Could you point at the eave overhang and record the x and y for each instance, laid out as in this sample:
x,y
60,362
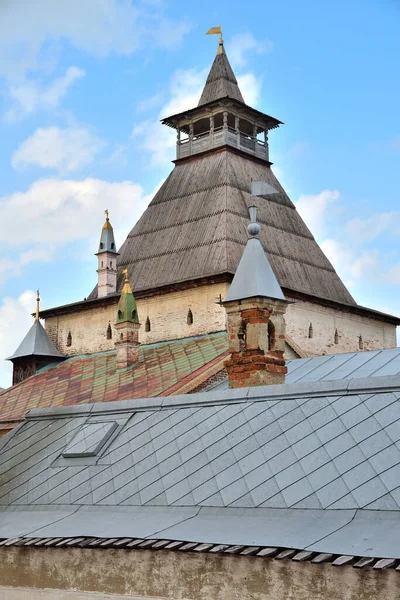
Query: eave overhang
x,y
178,120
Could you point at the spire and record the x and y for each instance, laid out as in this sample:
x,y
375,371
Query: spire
x,y
107,242
107,261
127,309
37,306
254,275
221,81
127,343
35,351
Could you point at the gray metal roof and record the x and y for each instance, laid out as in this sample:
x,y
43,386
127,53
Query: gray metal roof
x,y
333,367
36,343
254,275
310,465
107,241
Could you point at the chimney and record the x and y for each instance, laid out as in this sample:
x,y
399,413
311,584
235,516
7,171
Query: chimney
x,y
127,343
255,307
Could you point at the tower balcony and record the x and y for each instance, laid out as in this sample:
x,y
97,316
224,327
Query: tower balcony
x,y
221,136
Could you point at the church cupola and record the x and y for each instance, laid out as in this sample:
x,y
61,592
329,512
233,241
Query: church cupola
x,y
107,261
222,118
255,307
34,352
127,325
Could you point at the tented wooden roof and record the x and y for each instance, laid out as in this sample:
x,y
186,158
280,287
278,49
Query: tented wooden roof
x,y
196,226
221,81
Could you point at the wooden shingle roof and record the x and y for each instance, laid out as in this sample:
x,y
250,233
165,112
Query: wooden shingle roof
x,y
196,226
221,81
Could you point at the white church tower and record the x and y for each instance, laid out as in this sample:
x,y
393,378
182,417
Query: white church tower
x,y
107,261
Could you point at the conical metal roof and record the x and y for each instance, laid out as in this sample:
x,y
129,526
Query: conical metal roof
x,y
36,343
254,275
221,81
107,241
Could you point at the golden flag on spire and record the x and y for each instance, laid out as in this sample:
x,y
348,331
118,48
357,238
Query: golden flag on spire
x,y
217,30
214,30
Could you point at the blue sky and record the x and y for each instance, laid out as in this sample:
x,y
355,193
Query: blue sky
x,y
83,86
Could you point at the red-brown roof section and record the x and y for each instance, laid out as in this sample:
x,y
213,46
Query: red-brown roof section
x,y
163,369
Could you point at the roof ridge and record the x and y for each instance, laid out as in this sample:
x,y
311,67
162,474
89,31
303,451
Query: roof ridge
x,y
269,393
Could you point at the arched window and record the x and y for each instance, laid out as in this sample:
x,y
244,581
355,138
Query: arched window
x,y
119,315
109,332
271,335
147,326
121,336
111,264
190,317
310,331
134,314
101,245
112,245
69,339
336,338
360,343
102,264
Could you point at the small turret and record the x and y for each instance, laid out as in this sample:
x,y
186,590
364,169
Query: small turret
x,y
107,261
34,352
127,325
255,307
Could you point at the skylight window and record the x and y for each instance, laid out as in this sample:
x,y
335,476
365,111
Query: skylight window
x,y
89,440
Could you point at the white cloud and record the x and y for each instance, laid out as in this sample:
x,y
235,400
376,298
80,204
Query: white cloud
x,y
30,31
314,209
393,276
15,320
66,150
36,255
56,211
30,96
185,89
242,45
351,263
366,230
250,86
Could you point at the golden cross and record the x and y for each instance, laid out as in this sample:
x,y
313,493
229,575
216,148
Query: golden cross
x,y
106,213
125,272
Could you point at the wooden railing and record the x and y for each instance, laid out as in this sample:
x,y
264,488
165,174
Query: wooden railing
x,y
219,137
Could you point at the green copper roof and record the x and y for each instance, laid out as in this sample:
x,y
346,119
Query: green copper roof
x,y
127,309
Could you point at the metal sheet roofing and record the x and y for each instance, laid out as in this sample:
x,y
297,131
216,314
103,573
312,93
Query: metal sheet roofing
x,y
163,368
254,276
334,367
36,343
311,465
